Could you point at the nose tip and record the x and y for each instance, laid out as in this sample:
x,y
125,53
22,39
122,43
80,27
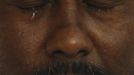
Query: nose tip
x,y
60,48
68,43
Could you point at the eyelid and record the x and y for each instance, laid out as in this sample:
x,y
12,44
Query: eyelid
x,y
104,5
30,4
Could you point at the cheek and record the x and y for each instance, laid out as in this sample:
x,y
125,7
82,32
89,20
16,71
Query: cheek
x,y
110,43
113,46
109,49
22,42
109,39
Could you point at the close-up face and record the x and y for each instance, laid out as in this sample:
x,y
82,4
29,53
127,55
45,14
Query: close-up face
x,y
66,37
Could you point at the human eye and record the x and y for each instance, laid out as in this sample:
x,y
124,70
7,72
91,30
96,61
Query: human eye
x,y
101,5
31,5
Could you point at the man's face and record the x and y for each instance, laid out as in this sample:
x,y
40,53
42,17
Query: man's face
x,y
66,37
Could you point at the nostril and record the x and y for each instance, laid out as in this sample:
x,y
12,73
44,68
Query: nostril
x,y
58,53
83,52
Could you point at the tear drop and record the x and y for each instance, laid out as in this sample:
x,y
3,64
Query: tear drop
x,y
34,13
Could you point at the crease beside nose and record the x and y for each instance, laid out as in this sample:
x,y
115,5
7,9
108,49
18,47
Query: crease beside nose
x,y
68,42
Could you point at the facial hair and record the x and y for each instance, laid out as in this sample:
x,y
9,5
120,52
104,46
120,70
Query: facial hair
x,y
71,68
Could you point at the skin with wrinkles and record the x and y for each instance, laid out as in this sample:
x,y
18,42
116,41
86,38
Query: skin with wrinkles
x,y
66,37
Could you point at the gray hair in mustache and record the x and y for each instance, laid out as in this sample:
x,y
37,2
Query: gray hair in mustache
x,y
72,68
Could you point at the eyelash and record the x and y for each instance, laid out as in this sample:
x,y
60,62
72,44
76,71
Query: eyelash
x,y
98,8
32,8
92,7
35,6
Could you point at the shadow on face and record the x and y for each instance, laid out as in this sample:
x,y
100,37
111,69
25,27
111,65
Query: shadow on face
x,y
66,37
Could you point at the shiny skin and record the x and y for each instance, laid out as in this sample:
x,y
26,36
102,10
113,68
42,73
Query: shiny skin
x,y
66,30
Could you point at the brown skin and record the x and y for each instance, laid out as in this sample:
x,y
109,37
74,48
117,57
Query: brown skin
x,y
106,36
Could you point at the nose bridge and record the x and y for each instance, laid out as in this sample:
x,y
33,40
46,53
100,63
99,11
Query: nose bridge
x,y
68,10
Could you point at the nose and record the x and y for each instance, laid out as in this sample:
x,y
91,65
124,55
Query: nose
x,y
68,42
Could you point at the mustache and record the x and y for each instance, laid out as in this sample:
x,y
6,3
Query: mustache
x,y
72,68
